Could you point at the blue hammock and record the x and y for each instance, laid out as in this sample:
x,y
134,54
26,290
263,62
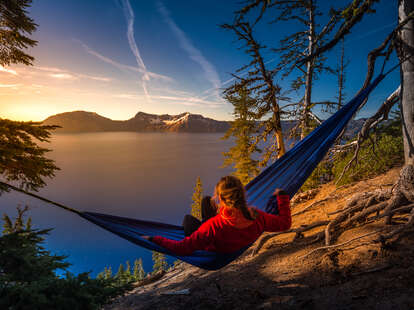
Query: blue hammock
x,y
289,172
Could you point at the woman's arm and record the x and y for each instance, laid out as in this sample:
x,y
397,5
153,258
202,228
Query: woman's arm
x,y
281,221
199,240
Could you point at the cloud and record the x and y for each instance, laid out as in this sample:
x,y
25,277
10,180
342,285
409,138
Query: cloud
x,y
122,66
95,78
190,100
180,100
127,96
14,86
3,69
195,54
129,15
49,69
62,76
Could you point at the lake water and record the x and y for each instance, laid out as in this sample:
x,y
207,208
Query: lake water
x,y
140,175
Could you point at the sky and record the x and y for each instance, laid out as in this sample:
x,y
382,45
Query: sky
x,y
118,57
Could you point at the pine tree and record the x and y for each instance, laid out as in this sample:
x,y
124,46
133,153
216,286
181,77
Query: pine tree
x,y
139,273
28,273
197,198
261,84
243,129
121,272
15,24
159,261
21,158
127,273
108,272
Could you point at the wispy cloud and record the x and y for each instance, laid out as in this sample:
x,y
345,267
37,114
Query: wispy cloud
x,y
122,66
195,54
62,76
3,69
14,86
189,101
178,100
95,78
49,69
129,15
127,96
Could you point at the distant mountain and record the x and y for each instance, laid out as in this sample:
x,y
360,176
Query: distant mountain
x,y
81,121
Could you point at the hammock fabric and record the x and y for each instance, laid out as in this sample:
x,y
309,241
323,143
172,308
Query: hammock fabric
x,y
289,172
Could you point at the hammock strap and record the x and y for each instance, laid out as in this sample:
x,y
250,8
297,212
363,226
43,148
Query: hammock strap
x,y
40,198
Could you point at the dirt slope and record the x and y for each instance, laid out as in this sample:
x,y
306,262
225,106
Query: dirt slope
x,y
355,276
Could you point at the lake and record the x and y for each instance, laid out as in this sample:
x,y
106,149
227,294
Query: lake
x,y
140,175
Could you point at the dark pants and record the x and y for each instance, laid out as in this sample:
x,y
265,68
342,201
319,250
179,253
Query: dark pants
x,y
208,210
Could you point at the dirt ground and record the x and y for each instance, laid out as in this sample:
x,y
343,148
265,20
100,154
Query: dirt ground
x,y
283,275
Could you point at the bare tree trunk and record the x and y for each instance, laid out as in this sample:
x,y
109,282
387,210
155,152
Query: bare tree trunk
x,y
407,79
281,150
309,73
341,76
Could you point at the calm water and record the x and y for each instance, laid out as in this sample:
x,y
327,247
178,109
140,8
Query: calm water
x,y
148,176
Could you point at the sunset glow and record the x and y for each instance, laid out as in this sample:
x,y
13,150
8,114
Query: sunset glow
x,y
136,56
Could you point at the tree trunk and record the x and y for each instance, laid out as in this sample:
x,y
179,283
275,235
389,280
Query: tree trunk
x,y
407,79
341,76
309,73
281,150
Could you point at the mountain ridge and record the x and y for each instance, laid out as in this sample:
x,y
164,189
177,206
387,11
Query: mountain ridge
x,y
84,121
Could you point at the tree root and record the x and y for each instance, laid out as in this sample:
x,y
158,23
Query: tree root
x,y
340,244
381,204
299,234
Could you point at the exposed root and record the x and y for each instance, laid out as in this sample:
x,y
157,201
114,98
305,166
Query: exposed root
x,y
381,204
299,233
316,203
340,244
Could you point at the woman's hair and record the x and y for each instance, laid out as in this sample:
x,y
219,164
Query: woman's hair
x,y
231,191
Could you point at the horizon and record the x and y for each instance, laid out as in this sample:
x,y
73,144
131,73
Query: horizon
x,y
160,57
185,112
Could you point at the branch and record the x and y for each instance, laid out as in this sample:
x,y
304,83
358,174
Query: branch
x,y
372,122
315,117
344,29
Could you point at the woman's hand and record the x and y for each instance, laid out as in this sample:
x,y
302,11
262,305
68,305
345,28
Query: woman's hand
x,y
279,191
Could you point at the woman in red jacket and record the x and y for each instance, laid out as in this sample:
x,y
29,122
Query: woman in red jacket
x,y
235,226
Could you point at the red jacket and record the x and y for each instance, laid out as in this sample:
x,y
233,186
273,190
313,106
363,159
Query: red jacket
x,y
230,231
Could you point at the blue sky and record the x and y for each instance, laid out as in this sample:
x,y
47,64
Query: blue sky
x,y
118,57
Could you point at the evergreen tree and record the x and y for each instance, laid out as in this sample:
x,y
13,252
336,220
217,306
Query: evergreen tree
x,y
139,273
28,276
21,158
243,129
121,272
197,198
15,26
159,261
108,272
261,84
